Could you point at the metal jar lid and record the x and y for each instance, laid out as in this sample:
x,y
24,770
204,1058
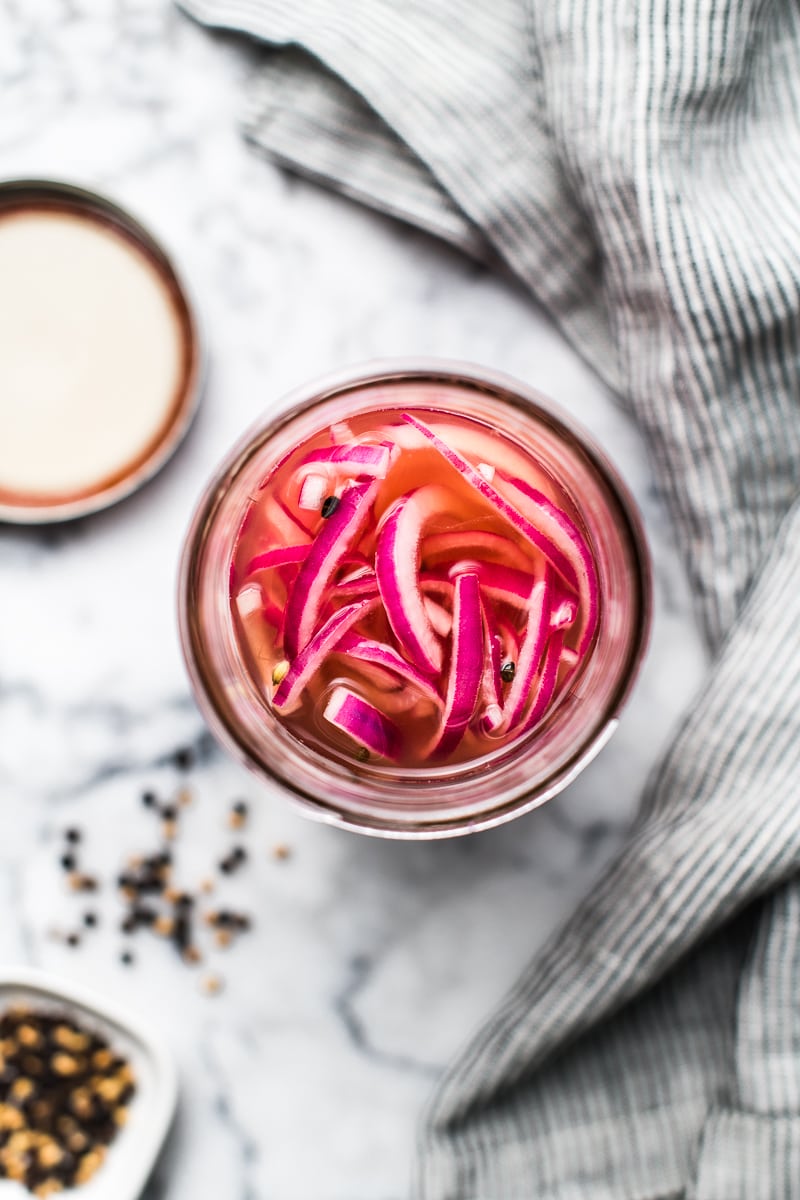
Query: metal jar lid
x,y
39,505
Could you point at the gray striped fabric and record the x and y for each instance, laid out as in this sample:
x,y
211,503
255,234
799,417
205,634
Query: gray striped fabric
x,y
637,164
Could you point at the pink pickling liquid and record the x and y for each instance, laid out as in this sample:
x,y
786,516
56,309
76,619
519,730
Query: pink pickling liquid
x,y
274,519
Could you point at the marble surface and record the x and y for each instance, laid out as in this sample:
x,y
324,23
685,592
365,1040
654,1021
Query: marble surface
x,y
370,962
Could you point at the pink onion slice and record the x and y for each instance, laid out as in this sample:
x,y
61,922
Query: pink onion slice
x,y
552,552
361,582
280,557
336,536
256,616
306,664
352,460
466,664
397,567
505,585
537,631
509,637
439,617
364,723
564,533
381,655
545,685
301,528
491,681
286,529
312,493
563,612
569,657
473,543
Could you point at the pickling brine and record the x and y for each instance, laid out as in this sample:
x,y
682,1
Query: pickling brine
x,y
412,587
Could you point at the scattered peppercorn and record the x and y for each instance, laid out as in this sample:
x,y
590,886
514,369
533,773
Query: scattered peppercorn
x,y
329,506
126,958
73,940
69,862
80,882
362,754
169,812
183,758
90,920
149,799
238,815
72,835
508,671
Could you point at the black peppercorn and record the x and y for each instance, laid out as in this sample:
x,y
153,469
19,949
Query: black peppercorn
x,y
508,671
329,506
183,758
68,862
72,835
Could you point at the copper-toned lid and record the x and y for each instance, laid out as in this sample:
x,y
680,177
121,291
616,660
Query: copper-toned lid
x,y
100,354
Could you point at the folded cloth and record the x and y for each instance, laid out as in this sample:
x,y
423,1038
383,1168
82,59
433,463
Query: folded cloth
x,y
637,164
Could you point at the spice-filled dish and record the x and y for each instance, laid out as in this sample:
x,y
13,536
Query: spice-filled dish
x,y
86,1095
418,601
65,1093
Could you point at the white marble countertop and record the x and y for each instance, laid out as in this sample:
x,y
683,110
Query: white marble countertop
x,y
370,962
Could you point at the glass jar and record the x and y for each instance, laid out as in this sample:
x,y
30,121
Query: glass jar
x,y
434,801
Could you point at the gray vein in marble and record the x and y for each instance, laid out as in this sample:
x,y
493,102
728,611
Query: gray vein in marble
x,y
359,971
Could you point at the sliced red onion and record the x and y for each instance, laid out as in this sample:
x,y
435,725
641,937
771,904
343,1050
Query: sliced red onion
x,y
473,543
545,685
262,622
466,665
552,552
563,612
537,631
280,557
249,600
364,583
438,616
352,460
364,723
509,637
306,664
397,568
341,432
312,493
386,658
563,532
569,657
286,529
335,538
294,520
491,681
505,585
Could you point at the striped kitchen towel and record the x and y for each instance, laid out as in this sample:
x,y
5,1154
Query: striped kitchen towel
x,y
637,164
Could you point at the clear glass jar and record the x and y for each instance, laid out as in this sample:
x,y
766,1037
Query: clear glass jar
x,y
437,801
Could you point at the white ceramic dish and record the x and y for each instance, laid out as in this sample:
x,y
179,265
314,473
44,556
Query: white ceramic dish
x,y
133,1154
73,198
